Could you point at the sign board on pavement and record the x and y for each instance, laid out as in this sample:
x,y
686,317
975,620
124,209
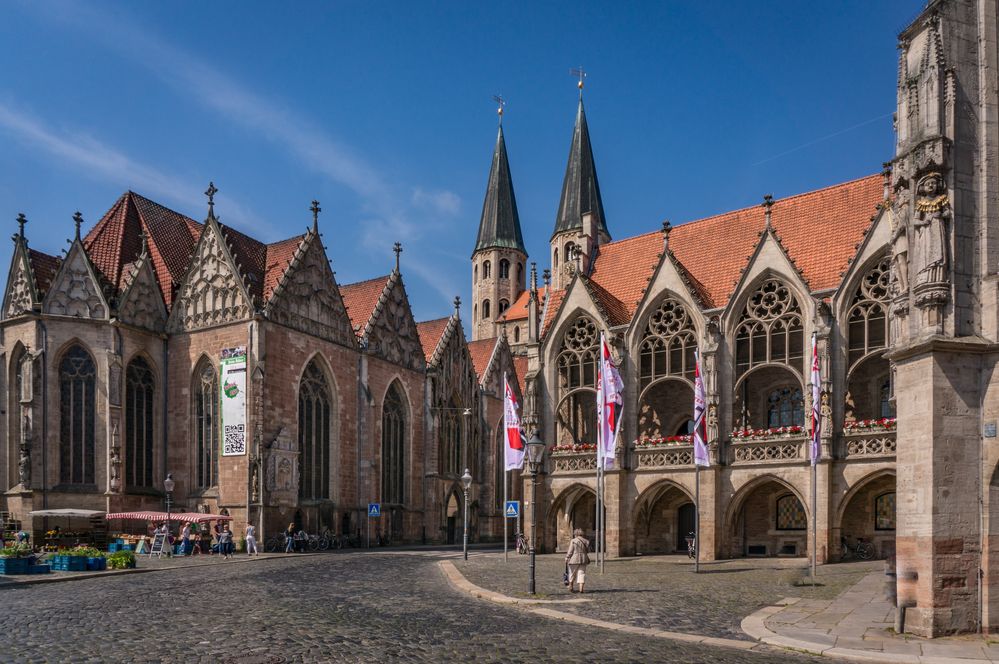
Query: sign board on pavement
x,y
159,541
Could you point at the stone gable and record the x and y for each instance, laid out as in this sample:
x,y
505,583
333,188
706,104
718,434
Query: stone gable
x,y
75,291
308,299
20,296
141,303
212,293
391,334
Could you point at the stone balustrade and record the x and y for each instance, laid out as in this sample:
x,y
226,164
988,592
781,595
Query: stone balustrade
x,y
570,462
664,456
869,444
770,450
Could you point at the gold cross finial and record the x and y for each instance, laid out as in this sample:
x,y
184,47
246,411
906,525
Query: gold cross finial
x,y
580,73
501,104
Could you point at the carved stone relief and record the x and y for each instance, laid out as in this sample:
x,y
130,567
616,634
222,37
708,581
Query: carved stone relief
x,y
74,291
19,291
212,293
142,303
393,334
308,299
282,471
929,232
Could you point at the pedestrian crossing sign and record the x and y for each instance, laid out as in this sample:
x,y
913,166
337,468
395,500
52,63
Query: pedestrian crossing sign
x,y
374,509
512,509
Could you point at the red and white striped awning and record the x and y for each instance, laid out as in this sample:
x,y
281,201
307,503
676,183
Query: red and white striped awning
x,y
185,517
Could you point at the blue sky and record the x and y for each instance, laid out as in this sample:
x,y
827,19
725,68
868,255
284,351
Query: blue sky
x,y
383,112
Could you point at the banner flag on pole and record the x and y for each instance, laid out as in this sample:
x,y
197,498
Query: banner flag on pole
x,y
700,424
514,447
609,400
816,402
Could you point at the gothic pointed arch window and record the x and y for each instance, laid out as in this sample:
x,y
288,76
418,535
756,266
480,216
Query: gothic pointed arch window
x,y
668,346
78,405
485,310
503,306
206,425
576,367
504,269
314,408
450,448
394,446
140,387
868,373
770,329
868,320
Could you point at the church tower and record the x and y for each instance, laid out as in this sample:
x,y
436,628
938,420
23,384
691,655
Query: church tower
x,y
499,259
580,226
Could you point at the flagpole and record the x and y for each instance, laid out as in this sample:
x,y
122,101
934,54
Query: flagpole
x,y
603,522
506,477
814,519
697,518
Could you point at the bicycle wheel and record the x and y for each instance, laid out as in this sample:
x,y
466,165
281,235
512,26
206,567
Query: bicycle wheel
x,y
324,543
865,550
313,543
273,545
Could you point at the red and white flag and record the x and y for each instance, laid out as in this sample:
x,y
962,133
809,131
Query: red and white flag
x,y
609,402
816,379
514,448
700,424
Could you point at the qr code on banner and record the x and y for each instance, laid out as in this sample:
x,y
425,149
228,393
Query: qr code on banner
x,y
235,439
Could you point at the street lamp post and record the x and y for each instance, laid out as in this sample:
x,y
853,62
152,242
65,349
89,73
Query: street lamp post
x,y
466,482
535,459
168,485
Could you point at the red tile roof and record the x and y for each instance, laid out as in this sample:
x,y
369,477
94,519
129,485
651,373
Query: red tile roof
x,y
819,230
481,352
518,310
361,299
44,267
430,332
114,241
549,315
520,366
279,255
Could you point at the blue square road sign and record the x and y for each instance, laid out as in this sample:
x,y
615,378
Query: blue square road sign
x,y
512,510
374,509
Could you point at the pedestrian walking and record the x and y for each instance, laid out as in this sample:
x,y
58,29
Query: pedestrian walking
x,y
251,540
185,539
577,558
289,538
225,542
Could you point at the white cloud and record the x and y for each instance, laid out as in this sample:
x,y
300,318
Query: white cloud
x,y
440,202
102,161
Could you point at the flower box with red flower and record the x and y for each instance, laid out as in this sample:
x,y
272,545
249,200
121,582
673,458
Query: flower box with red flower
x,y
773,433
863,426
657,442
575,448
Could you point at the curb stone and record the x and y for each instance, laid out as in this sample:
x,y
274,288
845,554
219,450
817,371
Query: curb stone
x,y
459,582
754,625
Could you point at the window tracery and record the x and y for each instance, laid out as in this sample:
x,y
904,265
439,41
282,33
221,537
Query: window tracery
x,y
669,344
206,425
576,366
140,387
868,322
78,403
314,406
393,447
785,408
770,329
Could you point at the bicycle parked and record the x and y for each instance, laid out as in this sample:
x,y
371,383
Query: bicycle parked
x,y
863,549
691,545
521,544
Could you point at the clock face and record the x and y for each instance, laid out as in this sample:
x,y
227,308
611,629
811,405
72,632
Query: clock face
x,y
569,269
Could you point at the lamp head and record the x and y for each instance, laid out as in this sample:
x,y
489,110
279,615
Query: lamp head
x,y
168,483
535,452
466,479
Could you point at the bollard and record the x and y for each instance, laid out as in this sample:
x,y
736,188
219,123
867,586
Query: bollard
x,y
909,576
891,581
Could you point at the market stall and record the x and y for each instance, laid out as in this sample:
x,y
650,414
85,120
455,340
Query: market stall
x,y
138,542
66,531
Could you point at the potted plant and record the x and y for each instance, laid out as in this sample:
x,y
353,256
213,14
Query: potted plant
x,y
14,559
121,560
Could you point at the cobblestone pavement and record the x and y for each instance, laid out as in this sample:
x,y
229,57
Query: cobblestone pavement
x,y
663,592
356,607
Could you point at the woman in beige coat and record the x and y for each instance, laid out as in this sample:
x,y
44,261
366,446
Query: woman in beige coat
x,y
577,557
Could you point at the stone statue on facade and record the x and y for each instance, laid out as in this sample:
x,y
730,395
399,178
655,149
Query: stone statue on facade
x,y
115,467
712,422
254,480
929,227
900,243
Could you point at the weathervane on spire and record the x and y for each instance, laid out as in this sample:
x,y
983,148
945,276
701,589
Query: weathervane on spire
x,y
580,73
210,193
501,105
